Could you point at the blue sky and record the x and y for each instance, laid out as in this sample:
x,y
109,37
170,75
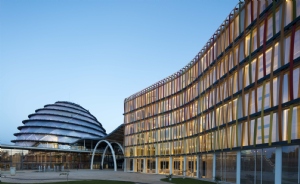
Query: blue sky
x,y
95,53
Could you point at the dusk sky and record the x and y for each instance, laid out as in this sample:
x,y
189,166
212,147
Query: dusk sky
x,y
95,53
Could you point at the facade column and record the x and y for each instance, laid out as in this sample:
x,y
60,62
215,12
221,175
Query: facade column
x,y
238,167
145,166
184,165
156,165
125,165
197,166
214,166
50,160
134,162
278,165
171,165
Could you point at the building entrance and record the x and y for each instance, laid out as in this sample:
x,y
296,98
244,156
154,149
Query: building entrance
x,y
140,165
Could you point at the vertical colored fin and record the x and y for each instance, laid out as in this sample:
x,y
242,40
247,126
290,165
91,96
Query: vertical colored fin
x,y
236,122
289,125
250,48
292,63
271,128
274,17
262,113
294,10
255,133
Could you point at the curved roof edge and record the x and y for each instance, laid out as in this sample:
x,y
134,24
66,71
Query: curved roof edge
x,y
77,106
71,103
66,106
63,110
67,122
206,46
51,127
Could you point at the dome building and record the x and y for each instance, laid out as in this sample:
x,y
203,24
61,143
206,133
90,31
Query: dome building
x,y
61,136
59,125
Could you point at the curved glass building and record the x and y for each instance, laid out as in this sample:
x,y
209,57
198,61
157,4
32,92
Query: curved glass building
x,y
58,125
233,112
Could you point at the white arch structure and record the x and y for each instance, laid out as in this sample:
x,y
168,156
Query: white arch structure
x,y
112,152
104,152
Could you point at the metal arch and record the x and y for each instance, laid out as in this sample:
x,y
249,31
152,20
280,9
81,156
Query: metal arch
x,y
104,152
112,151
119,146
103,155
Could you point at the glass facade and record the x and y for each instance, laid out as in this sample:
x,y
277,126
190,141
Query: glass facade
x,y
24,159
29,159
290,164
241,92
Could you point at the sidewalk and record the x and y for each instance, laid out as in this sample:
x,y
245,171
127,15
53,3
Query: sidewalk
x,y
30,176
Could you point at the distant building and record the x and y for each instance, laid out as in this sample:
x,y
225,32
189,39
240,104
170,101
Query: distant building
x,y
63,135
233,112
58,125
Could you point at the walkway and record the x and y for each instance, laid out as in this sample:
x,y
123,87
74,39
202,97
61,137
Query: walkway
x,y
29,176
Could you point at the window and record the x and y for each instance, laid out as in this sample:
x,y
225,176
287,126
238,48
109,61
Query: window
x,y
288,12
270,27
260,67
285,89
241,54
261,34
297,43
268,60
247,45
248,14
259,97
246,76
296,85
276,57
262,6
236,27
290,164
255,9
275,91
253,70
277,21
287,49
254,40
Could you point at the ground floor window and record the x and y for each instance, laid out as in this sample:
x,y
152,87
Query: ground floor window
x,y
191,166
254,166
151,165
206,166
163,165
290,164
178,163
226,166
129,164
258,166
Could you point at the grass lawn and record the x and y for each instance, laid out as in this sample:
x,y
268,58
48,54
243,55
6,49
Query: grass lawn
x,y
186,180
90,182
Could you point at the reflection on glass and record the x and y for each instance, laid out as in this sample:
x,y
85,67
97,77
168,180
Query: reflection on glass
x,y
290,171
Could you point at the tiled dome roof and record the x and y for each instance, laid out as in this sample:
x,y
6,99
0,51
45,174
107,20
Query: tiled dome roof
x,y
58,125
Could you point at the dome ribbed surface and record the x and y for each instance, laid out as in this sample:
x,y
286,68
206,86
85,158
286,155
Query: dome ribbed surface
x,y
58,125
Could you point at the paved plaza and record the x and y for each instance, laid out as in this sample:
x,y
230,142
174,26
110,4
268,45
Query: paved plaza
x,y
29,176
